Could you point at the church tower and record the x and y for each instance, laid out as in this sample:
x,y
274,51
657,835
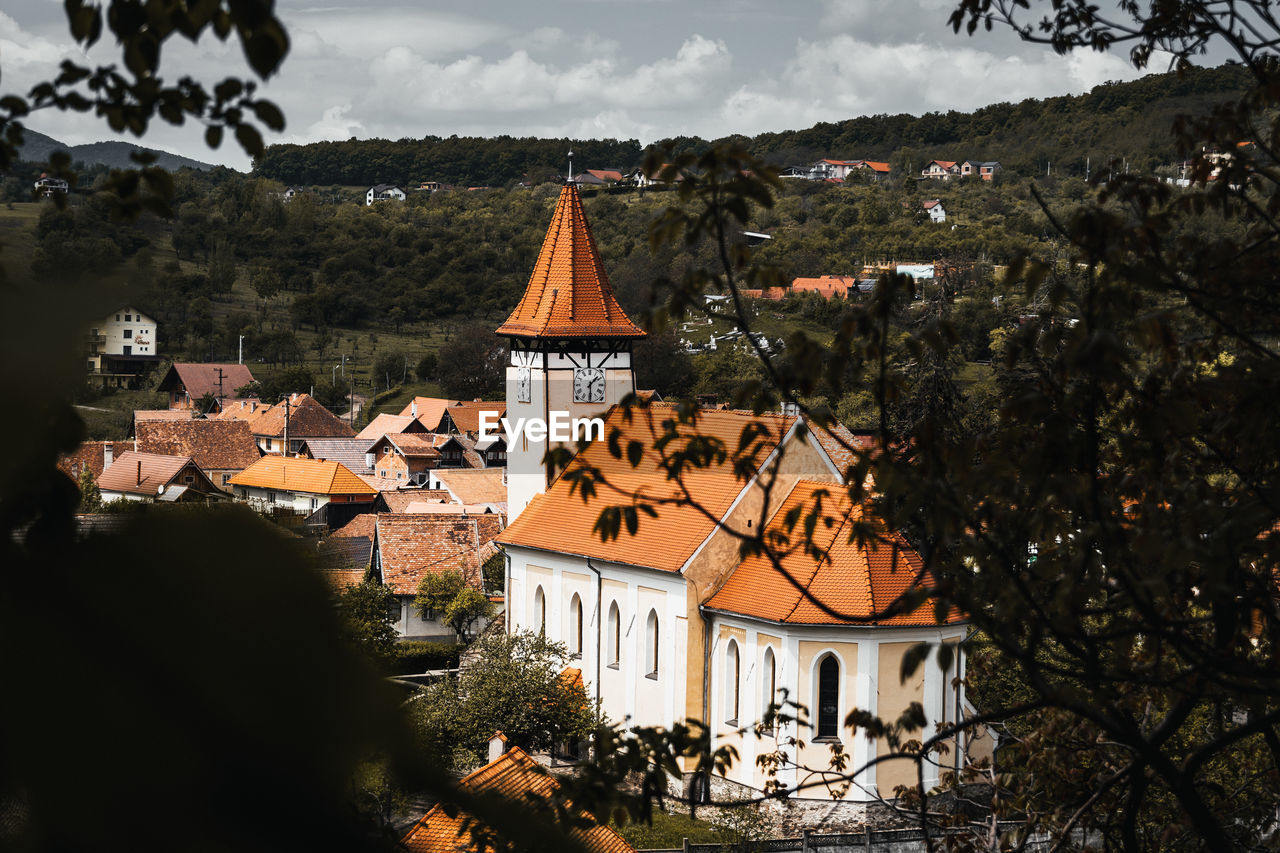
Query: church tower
x,y
570,346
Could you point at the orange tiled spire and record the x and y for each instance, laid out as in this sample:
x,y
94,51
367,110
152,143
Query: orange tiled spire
x,y
569,295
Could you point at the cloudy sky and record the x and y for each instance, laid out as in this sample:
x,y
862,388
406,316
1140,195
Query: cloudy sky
x,y
643,69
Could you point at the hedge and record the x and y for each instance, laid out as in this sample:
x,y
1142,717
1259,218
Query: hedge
x,y
414,656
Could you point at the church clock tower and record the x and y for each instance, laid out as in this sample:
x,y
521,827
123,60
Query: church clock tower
x,y
570,346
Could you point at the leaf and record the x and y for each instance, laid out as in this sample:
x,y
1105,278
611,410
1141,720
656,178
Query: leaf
x,y
269,114
635,452
911,660
213,135
946,656
250,140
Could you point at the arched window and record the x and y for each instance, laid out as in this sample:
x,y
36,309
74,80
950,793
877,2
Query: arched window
x,y
769,680
540,610
575,626
732,680
829,697
615,635
651,645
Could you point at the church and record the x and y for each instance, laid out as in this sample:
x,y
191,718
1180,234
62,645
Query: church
x,y
668,621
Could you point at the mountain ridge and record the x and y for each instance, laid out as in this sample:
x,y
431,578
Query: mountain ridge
x,y
37,147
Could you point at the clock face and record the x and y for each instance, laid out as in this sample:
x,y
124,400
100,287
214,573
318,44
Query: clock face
x,y
588,385
523,383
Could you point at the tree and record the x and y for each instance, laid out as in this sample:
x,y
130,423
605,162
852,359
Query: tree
x,y
427,367
477,359
447,596
367,612
90,494
513,684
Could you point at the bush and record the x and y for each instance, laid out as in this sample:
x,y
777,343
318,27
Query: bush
x,y
421,655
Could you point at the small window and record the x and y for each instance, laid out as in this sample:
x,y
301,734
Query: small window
x,y
575,626
226,478
829,697
189,479
769,680
117,318
128,318
652,639
540,610
732,676
615,635
128,333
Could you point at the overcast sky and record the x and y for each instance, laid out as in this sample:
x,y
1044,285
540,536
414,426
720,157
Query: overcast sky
x,y
643,69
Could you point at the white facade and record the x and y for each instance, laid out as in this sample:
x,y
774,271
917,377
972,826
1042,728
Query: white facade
x,y
564,595
125,331
383,192
788,659
541,383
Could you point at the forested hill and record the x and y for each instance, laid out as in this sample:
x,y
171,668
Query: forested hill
x,y
1127,121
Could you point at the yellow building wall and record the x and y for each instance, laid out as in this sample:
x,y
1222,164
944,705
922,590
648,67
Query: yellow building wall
x,y
894,697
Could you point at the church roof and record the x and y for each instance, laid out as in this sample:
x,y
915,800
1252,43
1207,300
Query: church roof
x,y
853,578
559,521
569,295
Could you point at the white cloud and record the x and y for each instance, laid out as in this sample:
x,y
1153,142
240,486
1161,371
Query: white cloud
x,y
844,77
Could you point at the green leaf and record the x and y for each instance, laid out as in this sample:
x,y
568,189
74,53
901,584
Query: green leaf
x,y
250,140
213,135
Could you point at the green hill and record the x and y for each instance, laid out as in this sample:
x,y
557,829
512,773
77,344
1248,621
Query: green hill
x,y
37,147
1120,121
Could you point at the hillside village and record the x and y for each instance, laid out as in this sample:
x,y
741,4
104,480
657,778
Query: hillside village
x,y
646,619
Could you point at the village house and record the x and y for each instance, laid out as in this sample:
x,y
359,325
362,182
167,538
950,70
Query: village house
x,y
464,418
408,546
383,192
385,423
515,776
941,169
984,169
933,207
282,428
300,485
639,612
122,348
473,487
345,555
155,477
92,456
188,384
220,448
405,456
47,187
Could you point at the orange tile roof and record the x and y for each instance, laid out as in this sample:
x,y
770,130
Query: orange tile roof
x,y
876,166
383,424
201,379
144,473
411,545
430,410
853,579
91,455
415,445
215,445
840,444
517,777
295,474
474,485
307,419
569,295
559,521
400,499
826,286
466,416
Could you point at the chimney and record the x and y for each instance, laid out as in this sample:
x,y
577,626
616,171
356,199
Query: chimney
x,y
139,472
108,454
413,408
253,405
497,746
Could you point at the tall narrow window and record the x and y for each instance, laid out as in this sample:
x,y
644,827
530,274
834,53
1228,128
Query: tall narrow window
x,y
575,626
615,635
732,676
540,610
769,679
829,697
651,645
